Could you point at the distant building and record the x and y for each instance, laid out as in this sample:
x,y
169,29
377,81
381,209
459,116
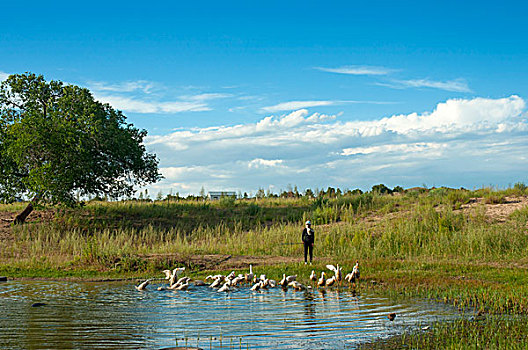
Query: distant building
x,y
215,195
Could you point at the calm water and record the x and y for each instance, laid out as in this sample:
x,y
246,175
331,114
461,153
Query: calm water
x,y
116,316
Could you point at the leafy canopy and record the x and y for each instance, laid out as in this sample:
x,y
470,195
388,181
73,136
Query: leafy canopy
x,y
57,141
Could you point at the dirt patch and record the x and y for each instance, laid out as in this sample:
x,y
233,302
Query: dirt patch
x,y
497,212
494,212
6,219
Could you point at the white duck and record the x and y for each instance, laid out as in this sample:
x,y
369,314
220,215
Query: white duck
x,y
143,286
183,286
215,277
296,285
351,277
238,280
216,283
322,280
331,281
337,271
249,276
313,276
224,288
256,286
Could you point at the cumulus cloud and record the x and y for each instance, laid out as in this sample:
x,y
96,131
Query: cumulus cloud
x,y
357,70
460,141
458,115
457,85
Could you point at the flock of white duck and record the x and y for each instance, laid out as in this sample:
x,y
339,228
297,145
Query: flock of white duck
x,y
232,281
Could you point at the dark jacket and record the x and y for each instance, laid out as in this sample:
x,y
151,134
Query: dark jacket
x,y
308,237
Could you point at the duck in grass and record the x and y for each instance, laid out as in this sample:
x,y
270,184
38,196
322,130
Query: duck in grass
x,y
313,276
322,280
287,279
337,272
354,275
249,276
331,281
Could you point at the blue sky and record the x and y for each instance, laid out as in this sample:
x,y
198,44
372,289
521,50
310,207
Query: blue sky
x,y
241,95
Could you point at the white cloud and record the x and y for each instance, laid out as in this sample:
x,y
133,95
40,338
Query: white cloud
x,y
205,96
3,76
458,115
136,105
459,142
142,96
357,70
391,148
144,86
292,105
457,85
259,163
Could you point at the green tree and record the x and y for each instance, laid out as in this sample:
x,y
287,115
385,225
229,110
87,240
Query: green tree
x,y
56,141
260,193
398,189
381,189
202,193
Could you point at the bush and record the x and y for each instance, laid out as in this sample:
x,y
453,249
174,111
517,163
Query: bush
x,y
457,197
226,202
520,187
495,198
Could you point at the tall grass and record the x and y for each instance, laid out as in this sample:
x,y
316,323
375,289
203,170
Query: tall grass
x,y
423,225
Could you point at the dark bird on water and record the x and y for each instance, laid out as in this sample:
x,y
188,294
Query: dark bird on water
x,y
38,304
391,316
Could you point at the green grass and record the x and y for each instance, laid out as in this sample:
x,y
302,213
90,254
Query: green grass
x,y
473,333
99,235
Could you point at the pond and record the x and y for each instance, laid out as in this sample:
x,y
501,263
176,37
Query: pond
x,y
113,315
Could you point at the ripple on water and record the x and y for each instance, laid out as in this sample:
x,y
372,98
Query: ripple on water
x,y
115,315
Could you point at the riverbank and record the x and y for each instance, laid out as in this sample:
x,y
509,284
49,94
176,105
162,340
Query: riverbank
x,y
491,299
464,248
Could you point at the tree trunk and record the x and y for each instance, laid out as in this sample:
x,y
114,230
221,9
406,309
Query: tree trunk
x,y
21,218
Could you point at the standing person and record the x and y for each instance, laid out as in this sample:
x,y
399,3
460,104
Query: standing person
x,y
308,238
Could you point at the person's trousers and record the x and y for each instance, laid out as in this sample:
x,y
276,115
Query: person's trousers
x,y
308,247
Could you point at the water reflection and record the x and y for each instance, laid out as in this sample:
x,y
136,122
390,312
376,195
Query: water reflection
x,y
115,315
